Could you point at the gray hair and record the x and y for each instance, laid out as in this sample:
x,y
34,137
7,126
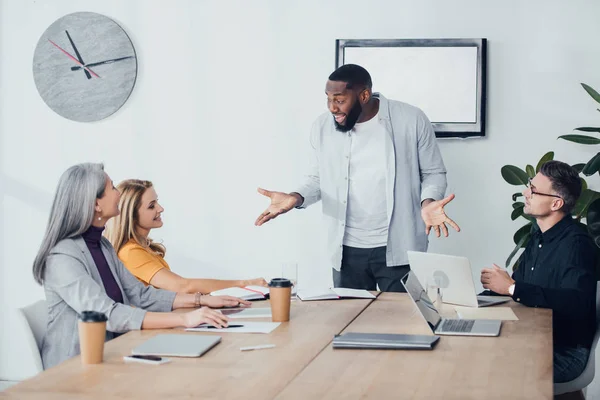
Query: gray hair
x,y
72,210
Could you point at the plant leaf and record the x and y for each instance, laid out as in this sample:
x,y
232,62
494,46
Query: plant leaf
x,y
581,139
516,213
545,158
578,167
524,230
515,195
522,243
592,166
530,171
528,218
593,221
518,204
588,129
587,197
514,175
584,184
591,92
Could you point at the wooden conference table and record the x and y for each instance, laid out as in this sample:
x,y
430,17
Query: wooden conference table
x,y
303,365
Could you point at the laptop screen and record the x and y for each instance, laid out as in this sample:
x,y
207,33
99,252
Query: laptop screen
x,y
419,296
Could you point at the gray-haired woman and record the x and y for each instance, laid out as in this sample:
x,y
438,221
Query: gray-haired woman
x,y
80,271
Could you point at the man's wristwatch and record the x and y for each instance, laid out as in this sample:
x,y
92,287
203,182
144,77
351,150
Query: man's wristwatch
x,y
511,289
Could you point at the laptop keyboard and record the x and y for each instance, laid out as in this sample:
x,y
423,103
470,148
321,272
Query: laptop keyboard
x,y
457,325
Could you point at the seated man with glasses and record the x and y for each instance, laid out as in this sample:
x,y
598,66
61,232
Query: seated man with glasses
x,y
557,268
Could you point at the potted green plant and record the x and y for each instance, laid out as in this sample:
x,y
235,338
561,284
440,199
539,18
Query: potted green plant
x,y
587,210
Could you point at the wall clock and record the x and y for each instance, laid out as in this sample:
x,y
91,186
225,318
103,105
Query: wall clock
x,y
84,66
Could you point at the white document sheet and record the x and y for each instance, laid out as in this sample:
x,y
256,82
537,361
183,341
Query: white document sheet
x,y
248,327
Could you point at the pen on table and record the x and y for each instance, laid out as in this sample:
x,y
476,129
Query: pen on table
x,y
229,326
262,346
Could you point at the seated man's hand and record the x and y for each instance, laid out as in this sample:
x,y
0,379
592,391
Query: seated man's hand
x,y
496,279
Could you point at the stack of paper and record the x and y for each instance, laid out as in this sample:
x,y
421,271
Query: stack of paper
x,y
333,294
245,293
355,340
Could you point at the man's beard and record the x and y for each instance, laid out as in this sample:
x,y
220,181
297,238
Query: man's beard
x,y
351,118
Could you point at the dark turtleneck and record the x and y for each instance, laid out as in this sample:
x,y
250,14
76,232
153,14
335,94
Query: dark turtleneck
x,y
92,239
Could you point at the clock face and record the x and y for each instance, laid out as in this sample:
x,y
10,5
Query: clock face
x,y
84,66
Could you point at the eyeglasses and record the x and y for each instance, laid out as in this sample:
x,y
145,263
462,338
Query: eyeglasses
x,y
532,190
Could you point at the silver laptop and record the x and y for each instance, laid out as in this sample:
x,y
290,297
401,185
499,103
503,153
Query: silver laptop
x,y
188,345
455,276
443,326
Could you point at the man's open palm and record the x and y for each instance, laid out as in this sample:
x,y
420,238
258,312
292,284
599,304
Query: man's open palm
x,y
435,217
280,204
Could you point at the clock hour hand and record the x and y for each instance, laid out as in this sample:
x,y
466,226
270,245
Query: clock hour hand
x,y
102,63
73,58
77,54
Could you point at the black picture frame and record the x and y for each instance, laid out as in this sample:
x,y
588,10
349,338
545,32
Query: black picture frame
x,y
443,129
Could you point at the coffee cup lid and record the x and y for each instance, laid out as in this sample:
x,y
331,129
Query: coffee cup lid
x,y
92,316
280,282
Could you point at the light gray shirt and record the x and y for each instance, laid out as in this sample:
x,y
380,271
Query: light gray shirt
x,y
72,284
415,172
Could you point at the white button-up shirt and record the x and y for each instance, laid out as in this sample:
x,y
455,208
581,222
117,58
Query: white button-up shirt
x,y
415,172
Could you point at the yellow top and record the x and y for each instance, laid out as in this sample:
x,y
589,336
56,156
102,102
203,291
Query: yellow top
x,y
141,262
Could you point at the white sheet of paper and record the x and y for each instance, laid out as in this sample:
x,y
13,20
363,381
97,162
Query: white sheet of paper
x,y
251,312
499,313
249,327
356,293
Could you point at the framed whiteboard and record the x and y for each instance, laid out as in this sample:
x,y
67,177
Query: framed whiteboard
x,y
446,78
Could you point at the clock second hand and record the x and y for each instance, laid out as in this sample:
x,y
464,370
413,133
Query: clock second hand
x,y
74,59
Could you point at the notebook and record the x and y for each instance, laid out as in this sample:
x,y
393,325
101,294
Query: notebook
x,y
245,293
355,340
333,294
177,345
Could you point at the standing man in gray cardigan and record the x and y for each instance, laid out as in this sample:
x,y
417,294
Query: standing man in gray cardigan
x,y
80,272
376,166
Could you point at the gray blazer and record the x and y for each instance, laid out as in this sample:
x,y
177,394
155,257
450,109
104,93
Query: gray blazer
x,y
72,284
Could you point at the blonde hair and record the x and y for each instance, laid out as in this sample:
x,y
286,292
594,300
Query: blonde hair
x,y
123,227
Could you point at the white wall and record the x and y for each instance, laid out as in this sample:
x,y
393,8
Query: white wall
x,y
225,95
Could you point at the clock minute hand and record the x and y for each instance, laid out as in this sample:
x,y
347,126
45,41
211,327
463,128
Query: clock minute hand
x,y
77,54
73,58
101,63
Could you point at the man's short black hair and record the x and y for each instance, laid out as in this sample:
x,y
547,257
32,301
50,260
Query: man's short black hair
x,y
565,182
355,76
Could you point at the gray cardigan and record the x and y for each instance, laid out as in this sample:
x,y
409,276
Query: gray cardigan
x,y
72,284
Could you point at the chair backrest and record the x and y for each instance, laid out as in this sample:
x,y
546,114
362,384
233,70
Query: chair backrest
x,y
587,376
34,321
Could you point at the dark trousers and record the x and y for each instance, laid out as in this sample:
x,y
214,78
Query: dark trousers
x,y
366,269
569,362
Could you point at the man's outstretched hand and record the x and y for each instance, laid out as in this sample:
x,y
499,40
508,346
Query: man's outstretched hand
x,y
280,204
435,217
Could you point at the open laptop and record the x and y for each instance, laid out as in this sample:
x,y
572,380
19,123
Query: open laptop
x,y
177,345
456,278
443,326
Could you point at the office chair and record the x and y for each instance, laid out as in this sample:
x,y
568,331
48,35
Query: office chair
x,y
32,320
587,376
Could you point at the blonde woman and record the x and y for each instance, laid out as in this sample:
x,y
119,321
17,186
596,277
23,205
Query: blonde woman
x,y
80,271
144,258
